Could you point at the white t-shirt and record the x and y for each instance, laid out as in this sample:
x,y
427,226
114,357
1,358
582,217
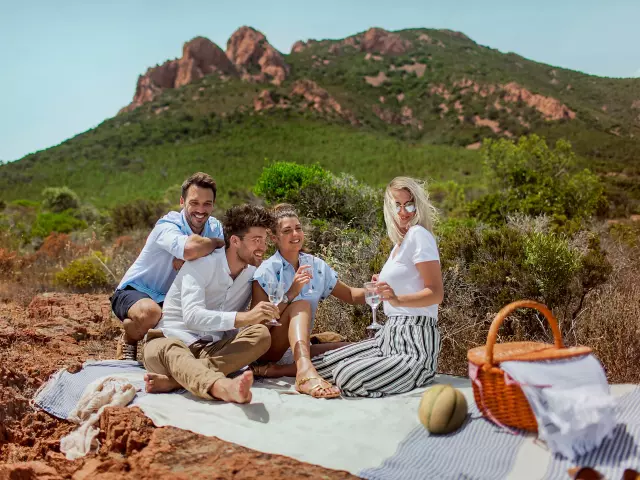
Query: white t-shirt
x,y
400,272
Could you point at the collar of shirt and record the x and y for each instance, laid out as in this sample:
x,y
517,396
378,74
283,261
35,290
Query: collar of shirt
x,y
286,264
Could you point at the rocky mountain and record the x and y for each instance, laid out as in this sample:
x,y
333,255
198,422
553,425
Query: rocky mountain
x,y
249,56
422,87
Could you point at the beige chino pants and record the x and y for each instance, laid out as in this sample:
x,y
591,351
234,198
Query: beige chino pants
x,y
198,366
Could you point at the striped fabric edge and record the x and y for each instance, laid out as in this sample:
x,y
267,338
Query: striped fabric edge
x,y
422,456
59,395
615,454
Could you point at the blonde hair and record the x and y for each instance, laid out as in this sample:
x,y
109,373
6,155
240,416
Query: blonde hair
x,y
425,212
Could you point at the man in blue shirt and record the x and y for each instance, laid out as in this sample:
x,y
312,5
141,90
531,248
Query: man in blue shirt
x,y
178,236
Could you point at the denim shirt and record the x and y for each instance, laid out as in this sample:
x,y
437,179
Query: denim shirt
x,y
276,268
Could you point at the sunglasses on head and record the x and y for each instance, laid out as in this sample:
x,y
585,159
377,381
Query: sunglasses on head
x,y
409,207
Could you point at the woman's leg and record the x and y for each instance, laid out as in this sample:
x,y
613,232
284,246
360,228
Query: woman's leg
x,y
377,377
273,370
325,364
280,334
409,361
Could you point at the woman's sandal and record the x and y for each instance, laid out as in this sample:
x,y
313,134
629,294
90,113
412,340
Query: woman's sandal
x,y
322,385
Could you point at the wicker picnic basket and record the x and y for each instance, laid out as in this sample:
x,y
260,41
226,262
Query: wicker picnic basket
x,y
499,399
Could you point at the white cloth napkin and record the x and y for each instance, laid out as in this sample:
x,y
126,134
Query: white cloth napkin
x,y
571,401
102,393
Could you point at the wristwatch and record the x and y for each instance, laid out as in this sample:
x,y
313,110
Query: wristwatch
x,y
285,299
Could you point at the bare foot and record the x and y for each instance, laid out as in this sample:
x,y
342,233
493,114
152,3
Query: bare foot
x,y
237,390
156,383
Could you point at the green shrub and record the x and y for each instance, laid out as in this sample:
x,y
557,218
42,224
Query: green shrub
x,y
280,179
140,213
83,274
48,222
24,203
628,234
340,198
504,264
529,177
90,214
552,263
59,199
448,197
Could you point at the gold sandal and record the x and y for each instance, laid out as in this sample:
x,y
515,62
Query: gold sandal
x,y
321,385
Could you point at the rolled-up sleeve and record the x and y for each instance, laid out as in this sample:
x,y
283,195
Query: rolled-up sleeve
x,y
170,238
194,311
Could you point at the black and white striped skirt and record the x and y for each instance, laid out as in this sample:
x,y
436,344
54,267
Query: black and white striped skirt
x,y
402,356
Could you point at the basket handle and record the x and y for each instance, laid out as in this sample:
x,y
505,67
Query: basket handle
x,y
502,314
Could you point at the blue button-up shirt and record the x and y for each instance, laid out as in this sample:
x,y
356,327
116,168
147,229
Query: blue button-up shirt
x,y
276,268
152,272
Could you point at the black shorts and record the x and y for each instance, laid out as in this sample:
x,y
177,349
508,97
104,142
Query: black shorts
x,y
123,300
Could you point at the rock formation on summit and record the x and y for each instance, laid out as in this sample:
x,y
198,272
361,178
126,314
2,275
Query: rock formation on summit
x,y
249,50
200,57
378,40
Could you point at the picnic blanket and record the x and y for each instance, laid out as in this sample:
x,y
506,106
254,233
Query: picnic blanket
x,y
371,438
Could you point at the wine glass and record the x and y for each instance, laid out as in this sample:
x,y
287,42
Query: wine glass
x,y
309,260
372,299
276,293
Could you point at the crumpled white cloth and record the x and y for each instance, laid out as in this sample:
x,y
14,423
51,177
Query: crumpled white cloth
x,y
571,401
102,393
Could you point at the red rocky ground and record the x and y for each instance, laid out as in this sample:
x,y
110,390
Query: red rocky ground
x,y
59,330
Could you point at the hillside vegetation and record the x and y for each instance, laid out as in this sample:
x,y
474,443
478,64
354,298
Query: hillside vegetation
x,y
407,110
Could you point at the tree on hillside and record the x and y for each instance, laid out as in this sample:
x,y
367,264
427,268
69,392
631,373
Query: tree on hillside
x,y
59,199
531,178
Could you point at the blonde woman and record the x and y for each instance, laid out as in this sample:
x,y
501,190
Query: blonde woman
x,y
404,353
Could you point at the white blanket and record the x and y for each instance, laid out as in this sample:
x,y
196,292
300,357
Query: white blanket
x,y
343,434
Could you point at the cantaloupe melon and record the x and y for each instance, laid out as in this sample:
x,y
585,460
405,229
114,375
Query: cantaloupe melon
x,y
442,409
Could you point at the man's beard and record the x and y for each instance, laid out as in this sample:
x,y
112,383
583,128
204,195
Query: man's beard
x,y
194,228
249,258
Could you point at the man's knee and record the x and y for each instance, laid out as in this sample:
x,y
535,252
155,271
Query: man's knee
x,y
261,338
157,351
146,313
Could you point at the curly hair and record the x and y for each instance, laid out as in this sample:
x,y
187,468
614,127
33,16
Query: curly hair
x,y
240,218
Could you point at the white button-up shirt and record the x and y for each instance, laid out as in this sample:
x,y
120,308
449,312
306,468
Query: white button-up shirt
x,y
203,300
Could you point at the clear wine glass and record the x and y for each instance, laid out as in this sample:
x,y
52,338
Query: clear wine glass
x,y
309,260
276,293
372,299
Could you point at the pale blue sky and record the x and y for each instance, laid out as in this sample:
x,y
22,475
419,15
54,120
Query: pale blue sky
x,y
69,64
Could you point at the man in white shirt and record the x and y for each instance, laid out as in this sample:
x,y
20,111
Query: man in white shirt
x,y
176,237
197,343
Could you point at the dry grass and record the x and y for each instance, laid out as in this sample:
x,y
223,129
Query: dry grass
x,y
610,319
353,256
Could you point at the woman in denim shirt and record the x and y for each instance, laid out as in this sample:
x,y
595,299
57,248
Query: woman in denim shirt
x,y
306,280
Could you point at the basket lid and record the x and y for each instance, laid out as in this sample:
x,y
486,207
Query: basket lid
x,y
524,351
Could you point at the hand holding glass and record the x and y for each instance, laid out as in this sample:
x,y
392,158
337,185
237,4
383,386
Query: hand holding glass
x,y
372,299
308,260
276,293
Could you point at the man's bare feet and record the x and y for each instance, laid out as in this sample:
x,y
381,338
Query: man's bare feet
x,y
157,383
237,390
